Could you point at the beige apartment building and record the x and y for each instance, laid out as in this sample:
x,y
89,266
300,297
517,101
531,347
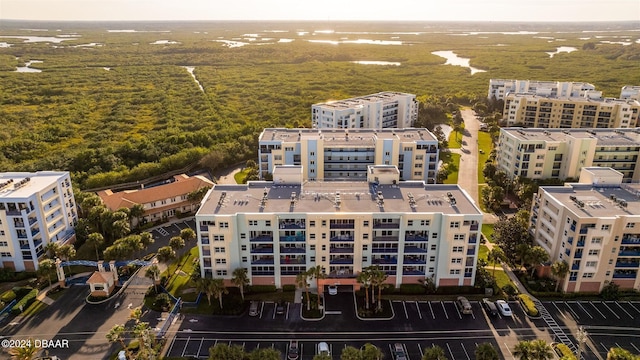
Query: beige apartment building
x,y
500,88
594,226
562,153
411,230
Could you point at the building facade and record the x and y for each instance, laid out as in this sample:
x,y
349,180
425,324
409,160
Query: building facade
x,y
561,153
594,226
340,154
630,92
376,111
35,209
276,230
499,88
536,111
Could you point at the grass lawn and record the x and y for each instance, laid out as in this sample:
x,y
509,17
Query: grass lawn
x,y
487,231
483,207
241,175
484,148
502,278
180,272
482,252
34,308
453,168
455,140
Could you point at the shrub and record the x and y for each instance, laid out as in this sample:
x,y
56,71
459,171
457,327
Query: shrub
x,y
8,296
510,290
611,291
24,302
259,289
289,288
412,289
459,290
564,352
529,305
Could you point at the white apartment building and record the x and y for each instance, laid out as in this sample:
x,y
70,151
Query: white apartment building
x,y
630,92
570,112
278,229
345,154
376,111
594,226
499,88
561,153
35,209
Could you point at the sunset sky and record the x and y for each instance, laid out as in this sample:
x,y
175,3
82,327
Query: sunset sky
x,y
326,10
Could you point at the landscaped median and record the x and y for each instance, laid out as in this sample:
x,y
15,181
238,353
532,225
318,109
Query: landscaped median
x,y
563,351
528,305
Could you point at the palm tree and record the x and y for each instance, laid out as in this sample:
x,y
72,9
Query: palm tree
x,y
371,352
96,239
495,255
559,269
218,289
153,273
116,334
378,278
26,352
136,314
52,249
533,350
136,211
302,282
240,279
203,285
537,255
521,252
523,350
166,254
176,242
146,239
486,351
364,278
146,341
45,268
187,235
265,354
434,353
317,272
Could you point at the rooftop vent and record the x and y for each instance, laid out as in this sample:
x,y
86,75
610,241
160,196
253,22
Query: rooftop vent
x,y
21,183
223,195
5,184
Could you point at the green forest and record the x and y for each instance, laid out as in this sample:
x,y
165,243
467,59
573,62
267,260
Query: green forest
x,y
113,106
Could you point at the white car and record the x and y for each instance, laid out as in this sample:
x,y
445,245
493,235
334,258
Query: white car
x,y
333,290
504,308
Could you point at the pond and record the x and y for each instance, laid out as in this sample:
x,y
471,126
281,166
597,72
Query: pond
x,y
26,68
368,62
455,60
562,49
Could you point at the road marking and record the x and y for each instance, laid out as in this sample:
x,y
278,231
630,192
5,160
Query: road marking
x,y
560,311
585,310
261,310
445,310
171,346
638,350
635,308
465,351
607,306
458,311
404,305
420,349
432,314
450,352
575,316
598,310
185,346
606,350
200,347
286,316
418,308
625,311
509,350
179,228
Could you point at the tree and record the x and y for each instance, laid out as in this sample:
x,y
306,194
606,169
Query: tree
x,y
153,273
45,268
52,249
146,341
187,235
116,334
536,256
223,351
523,350
146,239
495,256
96,239
302,282
240,279
509,234
559,269
378,279
218,289
371,352
265,354
434,353
166,254
617,353
522,251
136,212
176,242
350,353
533,350
322,357
317,272
26,352
486,351
364,278
489,170
204,286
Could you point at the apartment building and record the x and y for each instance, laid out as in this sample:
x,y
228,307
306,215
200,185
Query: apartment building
x,y
630,92
562,153
341,154
376,111
161,201
35,209
589,111
278,229
500,88
594,226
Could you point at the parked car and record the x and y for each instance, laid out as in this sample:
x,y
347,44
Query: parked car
x,y
490,307
323,349
280,308
504,308
294,351
398,352
464,306
333,289
254,308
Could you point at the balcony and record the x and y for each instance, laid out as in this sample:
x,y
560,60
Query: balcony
x,y
292,260
474,227
414,249
18,224
471,252
341,238
382,250
262,250
385,260
32,221
341,250
630,240
413,237
575,267
263,273
628,264
412,272
348,260
35,231
263,260
262,238
577,255
295,238
580,243
414,260
628,274
292,250
204,228
629,252
24,245
385,225
333,225
570,240
341,273
291,224
473,239
386,238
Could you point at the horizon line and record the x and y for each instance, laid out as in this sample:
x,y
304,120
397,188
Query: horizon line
x,y
336,21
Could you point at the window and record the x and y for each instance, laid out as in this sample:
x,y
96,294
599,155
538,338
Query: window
x,y
458,237
365,258
312,153
425,222
312,258
312,223
458,249
594,252
4,243
221,272
454,225
244,247
365,247
365,223
605,227
243,236
221,261
433,247
365,236
324,247
456,261
312,247
434,235
587,275
592,264
324,222
324,258
432,258
218,237
454,272
630,225
224,225
312,236
596,240
218,250
324,236
409,222
5,254
267,223
431,269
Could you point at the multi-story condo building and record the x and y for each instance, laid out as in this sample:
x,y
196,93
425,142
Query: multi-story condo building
x,y
499,88
341,154
35,209
532,110
594,226
630,92
561,153
278,229
376,111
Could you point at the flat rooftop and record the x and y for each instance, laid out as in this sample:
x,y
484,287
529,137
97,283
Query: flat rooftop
x,y
320,197
38,181
342,136
358,101
621,137
598,200
576,99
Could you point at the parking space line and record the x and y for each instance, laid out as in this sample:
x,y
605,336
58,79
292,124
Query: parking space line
x,y
598,310
585,310
418,308
625,311
432,314
465,351
638,350
575,316
607,306
200,347
445,310
450,352
185,346
286,316
178,227
635,308
420,349
458,311
606,350
261,309
171,346
404,305
559,311
473,315
509,350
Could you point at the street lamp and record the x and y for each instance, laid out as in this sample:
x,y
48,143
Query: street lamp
x,y
581,336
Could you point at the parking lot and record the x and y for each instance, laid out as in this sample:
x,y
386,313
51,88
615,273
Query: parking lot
x,y
163,234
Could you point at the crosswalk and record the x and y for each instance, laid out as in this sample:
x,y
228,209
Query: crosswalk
x,y
553,325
